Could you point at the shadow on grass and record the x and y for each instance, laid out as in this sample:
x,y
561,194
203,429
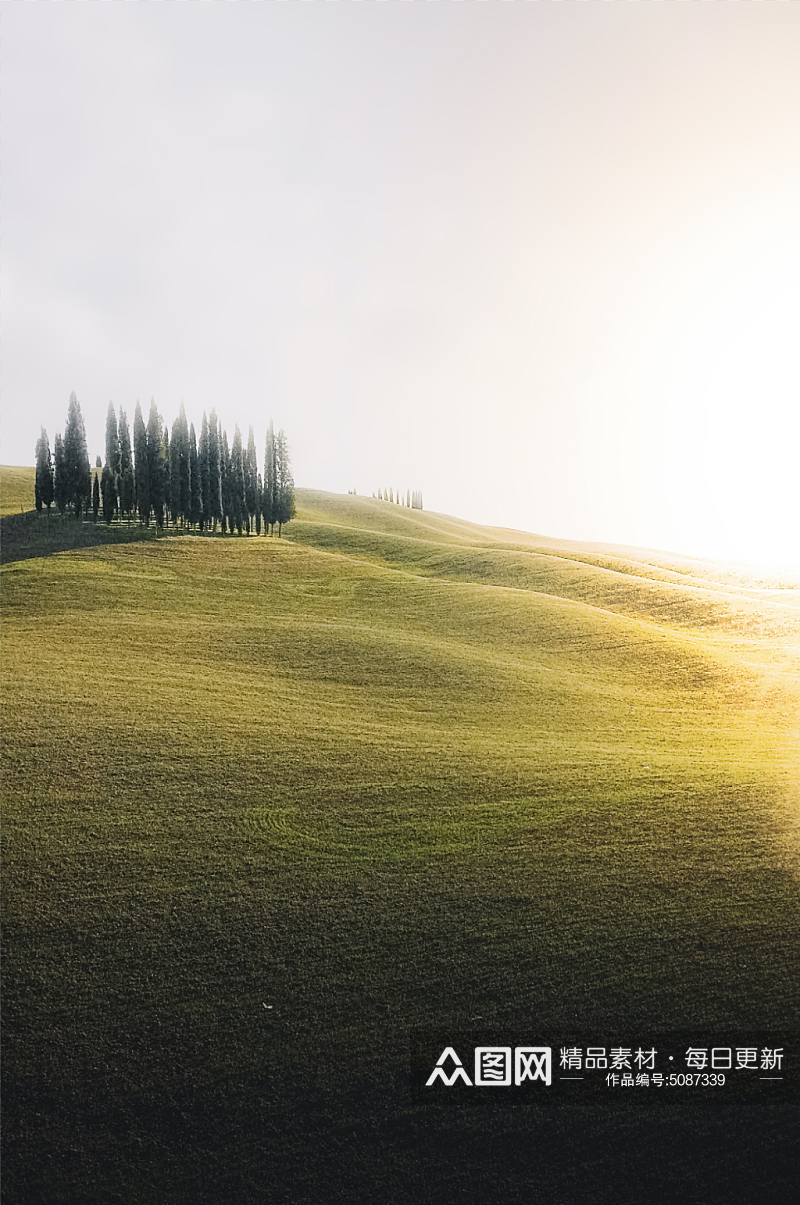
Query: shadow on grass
x,y
37,534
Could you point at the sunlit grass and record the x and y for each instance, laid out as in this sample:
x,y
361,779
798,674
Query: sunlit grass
x,y
384,773
16,490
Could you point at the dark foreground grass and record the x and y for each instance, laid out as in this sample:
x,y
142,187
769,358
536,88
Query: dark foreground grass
x,y
269,807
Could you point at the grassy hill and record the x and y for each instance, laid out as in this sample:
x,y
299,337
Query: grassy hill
x,y
16,489
270,805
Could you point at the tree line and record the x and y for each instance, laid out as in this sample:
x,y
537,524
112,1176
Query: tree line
x,y
162,477
412,498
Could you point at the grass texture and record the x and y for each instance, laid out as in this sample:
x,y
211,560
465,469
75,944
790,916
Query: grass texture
x,y
269,805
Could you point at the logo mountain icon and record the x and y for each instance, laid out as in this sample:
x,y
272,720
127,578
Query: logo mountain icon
x,y
440,1073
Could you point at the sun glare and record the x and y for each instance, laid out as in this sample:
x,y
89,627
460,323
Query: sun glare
x,y
731,386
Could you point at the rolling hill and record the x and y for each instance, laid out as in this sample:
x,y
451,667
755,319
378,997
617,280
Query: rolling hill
x,y
271,806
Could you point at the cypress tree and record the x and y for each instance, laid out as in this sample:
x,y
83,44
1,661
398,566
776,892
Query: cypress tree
x,y
180,472
284,482
251,491
76,458
184,501
126,487
225,482
112,443
155,475
142,467
60,475
214,471
109,493
96,496
195,494
205,479
163,467
238,505
269,503
175,471
44,472
259,495
113,459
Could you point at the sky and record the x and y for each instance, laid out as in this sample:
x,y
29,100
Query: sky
x,y
539,260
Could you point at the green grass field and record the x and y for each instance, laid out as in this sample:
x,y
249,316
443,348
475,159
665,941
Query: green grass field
x,y
16,490
270,805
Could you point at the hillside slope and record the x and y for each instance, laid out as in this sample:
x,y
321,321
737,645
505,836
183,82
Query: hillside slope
x,y
270,806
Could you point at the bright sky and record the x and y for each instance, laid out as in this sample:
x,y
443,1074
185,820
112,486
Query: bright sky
x,y
539,260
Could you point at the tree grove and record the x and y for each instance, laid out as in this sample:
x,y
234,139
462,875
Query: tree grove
x,y
168,477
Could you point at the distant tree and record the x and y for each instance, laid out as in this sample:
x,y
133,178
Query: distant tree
x,y
205,476
225,482
142,467
269,504
109,493
96,495
44,473
76,458
60,475
195,495
214,470
126,486
98,463
184,499
155,467
260,495
251,492
163,466
238,504
284,487
113,460
112,443
180,469
175,471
